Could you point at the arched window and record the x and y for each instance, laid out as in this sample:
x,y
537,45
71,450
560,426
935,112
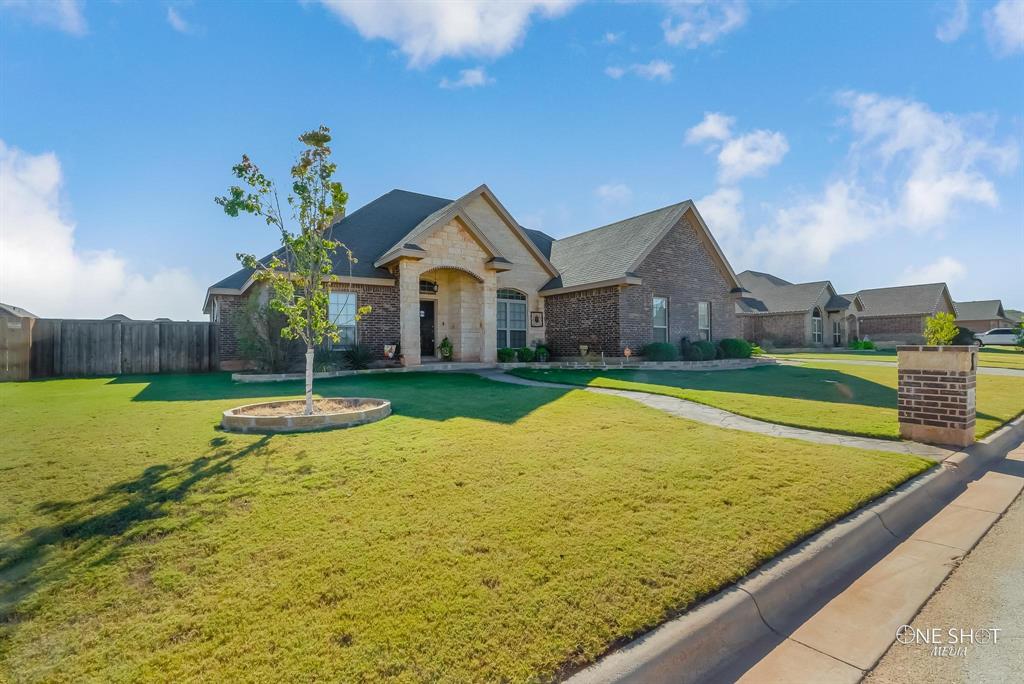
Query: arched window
x,y
511,319
816,326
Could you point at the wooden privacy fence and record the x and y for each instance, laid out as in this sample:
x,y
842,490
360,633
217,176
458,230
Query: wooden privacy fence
x,y
79,348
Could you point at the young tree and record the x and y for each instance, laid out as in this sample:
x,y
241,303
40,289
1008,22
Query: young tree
x,y
298,273
940,329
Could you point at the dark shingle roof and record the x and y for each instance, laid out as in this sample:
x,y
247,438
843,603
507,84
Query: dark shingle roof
x,y
541,240
770,294
16,311
368,232
979,310
608,252
903,300
838,302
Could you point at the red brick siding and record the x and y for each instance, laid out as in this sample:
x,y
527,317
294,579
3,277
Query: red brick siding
x,y
985,326
680,268
908,328
588,317
222,316
780,330
938,398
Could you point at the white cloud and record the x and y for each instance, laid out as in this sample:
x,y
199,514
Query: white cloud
x,y
1004,27
468,78
614,193
42,270
655,70
955,24
428,30
715,126
692,23
177,21
722,210
611,37
750,155
944,270
64,15
909,168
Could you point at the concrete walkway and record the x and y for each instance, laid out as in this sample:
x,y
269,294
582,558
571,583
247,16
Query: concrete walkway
x,y
719,418
986,591
982,370
847,636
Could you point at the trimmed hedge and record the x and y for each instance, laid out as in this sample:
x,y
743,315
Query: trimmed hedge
x,y
506,355
525,354
659,351
733,348
706,349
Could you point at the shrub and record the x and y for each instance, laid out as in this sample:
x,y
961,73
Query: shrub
x,y
686,348
1020,336
861,344
326,360
940,329
506,355
733,348
357,357
693,353
543,353
525,354
706,349
963,336
659,351
258,331
756,350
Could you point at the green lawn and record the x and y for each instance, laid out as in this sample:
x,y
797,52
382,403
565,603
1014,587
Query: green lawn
x,y
842,398
988,357
483,532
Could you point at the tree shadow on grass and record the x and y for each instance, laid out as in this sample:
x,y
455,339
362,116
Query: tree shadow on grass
x,y
431,396
126,512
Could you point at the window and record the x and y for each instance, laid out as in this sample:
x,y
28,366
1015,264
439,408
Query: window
x,y
704,320
659,316
511,319
837,334
816,326
428,287
341,309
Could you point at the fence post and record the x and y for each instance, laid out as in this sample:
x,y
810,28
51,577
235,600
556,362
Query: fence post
x,y
937,393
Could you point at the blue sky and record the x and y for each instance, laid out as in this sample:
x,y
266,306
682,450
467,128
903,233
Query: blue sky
x,y
869,144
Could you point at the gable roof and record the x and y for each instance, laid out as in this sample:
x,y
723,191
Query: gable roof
x,y
982,309
771,294
904,300
613,253
368,232
16,311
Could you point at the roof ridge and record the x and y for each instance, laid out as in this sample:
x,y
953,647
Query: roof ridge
x,y
628,218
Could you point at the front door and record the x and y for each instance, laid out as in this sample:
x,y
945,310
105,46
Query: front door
x,y
426,327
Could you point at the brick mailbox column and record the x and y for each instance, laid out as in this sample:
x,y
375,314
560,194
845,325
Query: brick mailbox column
x,y
936,393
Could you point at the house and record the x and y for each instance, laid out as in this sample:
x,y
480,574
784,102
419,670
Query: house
x,y
898,314
982,316
795,314
465,269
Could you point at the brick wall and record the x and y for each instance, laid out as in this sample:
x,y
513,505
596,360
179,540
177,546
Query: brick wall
x,y
780,330
907,329
937,394
225,309
383,324
681,269
588,317
985,326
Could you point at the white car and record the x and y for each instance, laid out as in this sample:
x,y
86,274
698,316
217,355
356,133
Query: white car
x,y
997,336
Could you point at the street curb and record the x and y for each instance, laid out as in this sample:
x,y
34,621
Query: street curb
x,y
776,597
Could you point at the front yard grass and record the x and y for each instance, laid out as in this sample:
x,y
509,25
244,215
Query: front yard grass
x,y
483,532
840,398
988,357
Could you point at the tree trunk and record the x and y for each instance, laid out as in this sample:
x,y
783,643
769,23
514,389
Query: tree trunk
x,y
309,380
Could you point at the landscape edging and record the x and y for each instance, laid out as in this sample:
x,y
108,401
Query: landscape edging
x,y
785,588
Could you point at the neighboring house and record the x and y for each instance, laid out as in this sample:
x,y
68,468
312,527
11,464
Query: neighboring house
x,y
117,317
11,311
898,314
432,268
982,316
788,314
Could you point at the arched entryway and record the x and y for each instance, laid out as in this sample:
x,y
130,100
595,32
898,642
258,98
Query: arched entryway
x,y
451,306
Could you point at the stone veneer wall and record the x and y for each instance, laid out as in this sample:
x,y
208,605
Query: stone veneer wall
x,y
937,393
588,317
681,268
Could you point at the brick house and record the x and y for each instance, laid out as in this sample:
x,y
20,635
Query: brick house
x,y
796,314
898,314
981,316
465,270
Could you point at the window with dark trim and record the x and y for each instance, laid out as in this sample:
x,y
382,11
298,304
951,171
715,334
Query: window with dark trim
x,y
512,319
704,320
659,318
341,309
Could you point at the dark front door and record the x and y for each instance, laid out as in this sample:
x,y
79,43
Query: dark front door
x,y
426,327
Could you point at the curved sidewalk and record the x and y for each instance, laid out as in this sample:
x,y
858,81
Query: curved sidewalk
x,y
719,418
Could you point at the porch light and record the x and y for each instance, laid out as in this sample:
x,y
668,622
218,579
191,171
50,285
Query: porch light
x,y
428,287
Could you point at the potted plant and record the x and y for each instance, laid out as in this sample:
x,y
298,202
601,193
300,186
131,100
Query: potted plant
x,y
447,349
